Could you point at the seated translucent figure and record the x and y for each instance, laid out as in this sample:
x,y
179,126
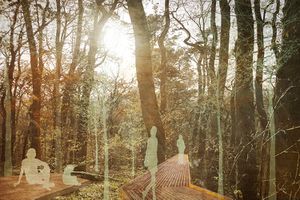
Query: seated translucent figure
x,y
68,179
36,171
181,148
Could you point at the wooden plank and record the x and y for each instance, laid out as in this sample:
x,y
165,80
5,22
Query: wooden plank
x,y
24,191
173,182
212,194
183,193
169,174
175,193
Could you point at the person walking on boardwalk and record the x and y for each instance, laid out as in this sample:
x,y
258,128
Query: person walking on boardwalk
x,y
181,148
151,162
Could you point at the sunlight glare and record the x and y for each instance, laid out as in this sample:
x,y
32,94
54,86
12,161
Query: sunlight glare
x,y
119,44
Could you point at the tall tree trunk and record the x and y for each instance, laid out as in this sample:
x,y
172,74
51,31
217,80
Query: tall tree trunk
x,y
3,131
224,45
274,31
244,101
149,105
85,98
8,128
220,142
211,65
67,107
36,81
11,69
287,105
9,119
99,22
221,81
41,44
272,193
196,127
96,121
270,143
56,93
211,153
163,61
105,140
263,118
259,68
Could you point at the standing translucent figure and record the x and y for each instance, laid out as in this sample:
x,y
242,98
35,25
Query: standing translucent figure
x,y
36,171
181,148
151,162
68,179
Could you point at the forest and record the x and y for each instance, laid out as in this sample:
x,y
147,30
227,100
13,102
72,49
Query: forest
x,y
89,83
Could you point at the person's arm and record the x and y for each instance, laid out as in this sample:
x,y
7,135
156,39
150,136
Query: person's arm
x,y
147,154
20,177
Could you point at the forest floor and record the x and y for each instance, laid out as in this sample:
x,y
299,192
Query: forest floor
x,y
95,190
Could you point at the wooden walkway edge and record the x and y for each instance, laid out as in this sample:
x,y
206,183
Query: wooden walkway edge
x,y
24,191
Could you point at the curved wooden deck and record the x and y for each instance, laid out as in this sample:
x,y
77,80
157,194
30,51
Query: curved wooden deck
x,y
172,182
24,191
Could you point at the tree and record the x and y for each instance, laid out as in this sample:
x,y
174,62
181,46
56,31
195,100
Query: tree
x,y
211,155
143,61
244,101
287,105
35,109
9,97
260,65
101,15
221,80
105,139
67,107
262,115
200,48
59,43
8,128
224,45
163,61
272,193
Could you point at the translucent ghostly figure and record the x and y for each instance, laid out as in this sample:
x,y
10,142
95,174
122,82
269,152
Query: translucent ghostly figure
x,y
36,171
181,148
151,162
68,179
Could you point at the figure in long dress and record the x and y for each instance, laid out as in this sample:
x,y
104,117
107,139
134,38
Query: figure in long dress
x,y
151,162
36,171
181,148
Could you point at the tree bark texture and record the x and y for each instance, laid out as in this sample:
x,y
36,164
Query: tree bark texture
x,y
150,110
163,61
35,114
287,105
244,101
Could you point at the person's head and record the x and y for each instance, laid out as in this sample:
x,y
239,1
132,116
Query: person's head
x,y
180,137
153,131
69,168
31,153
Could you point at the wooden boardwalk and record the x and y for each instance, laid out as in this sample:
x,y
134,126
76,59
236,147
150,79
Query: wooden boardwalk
x,y
173,182
24,191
